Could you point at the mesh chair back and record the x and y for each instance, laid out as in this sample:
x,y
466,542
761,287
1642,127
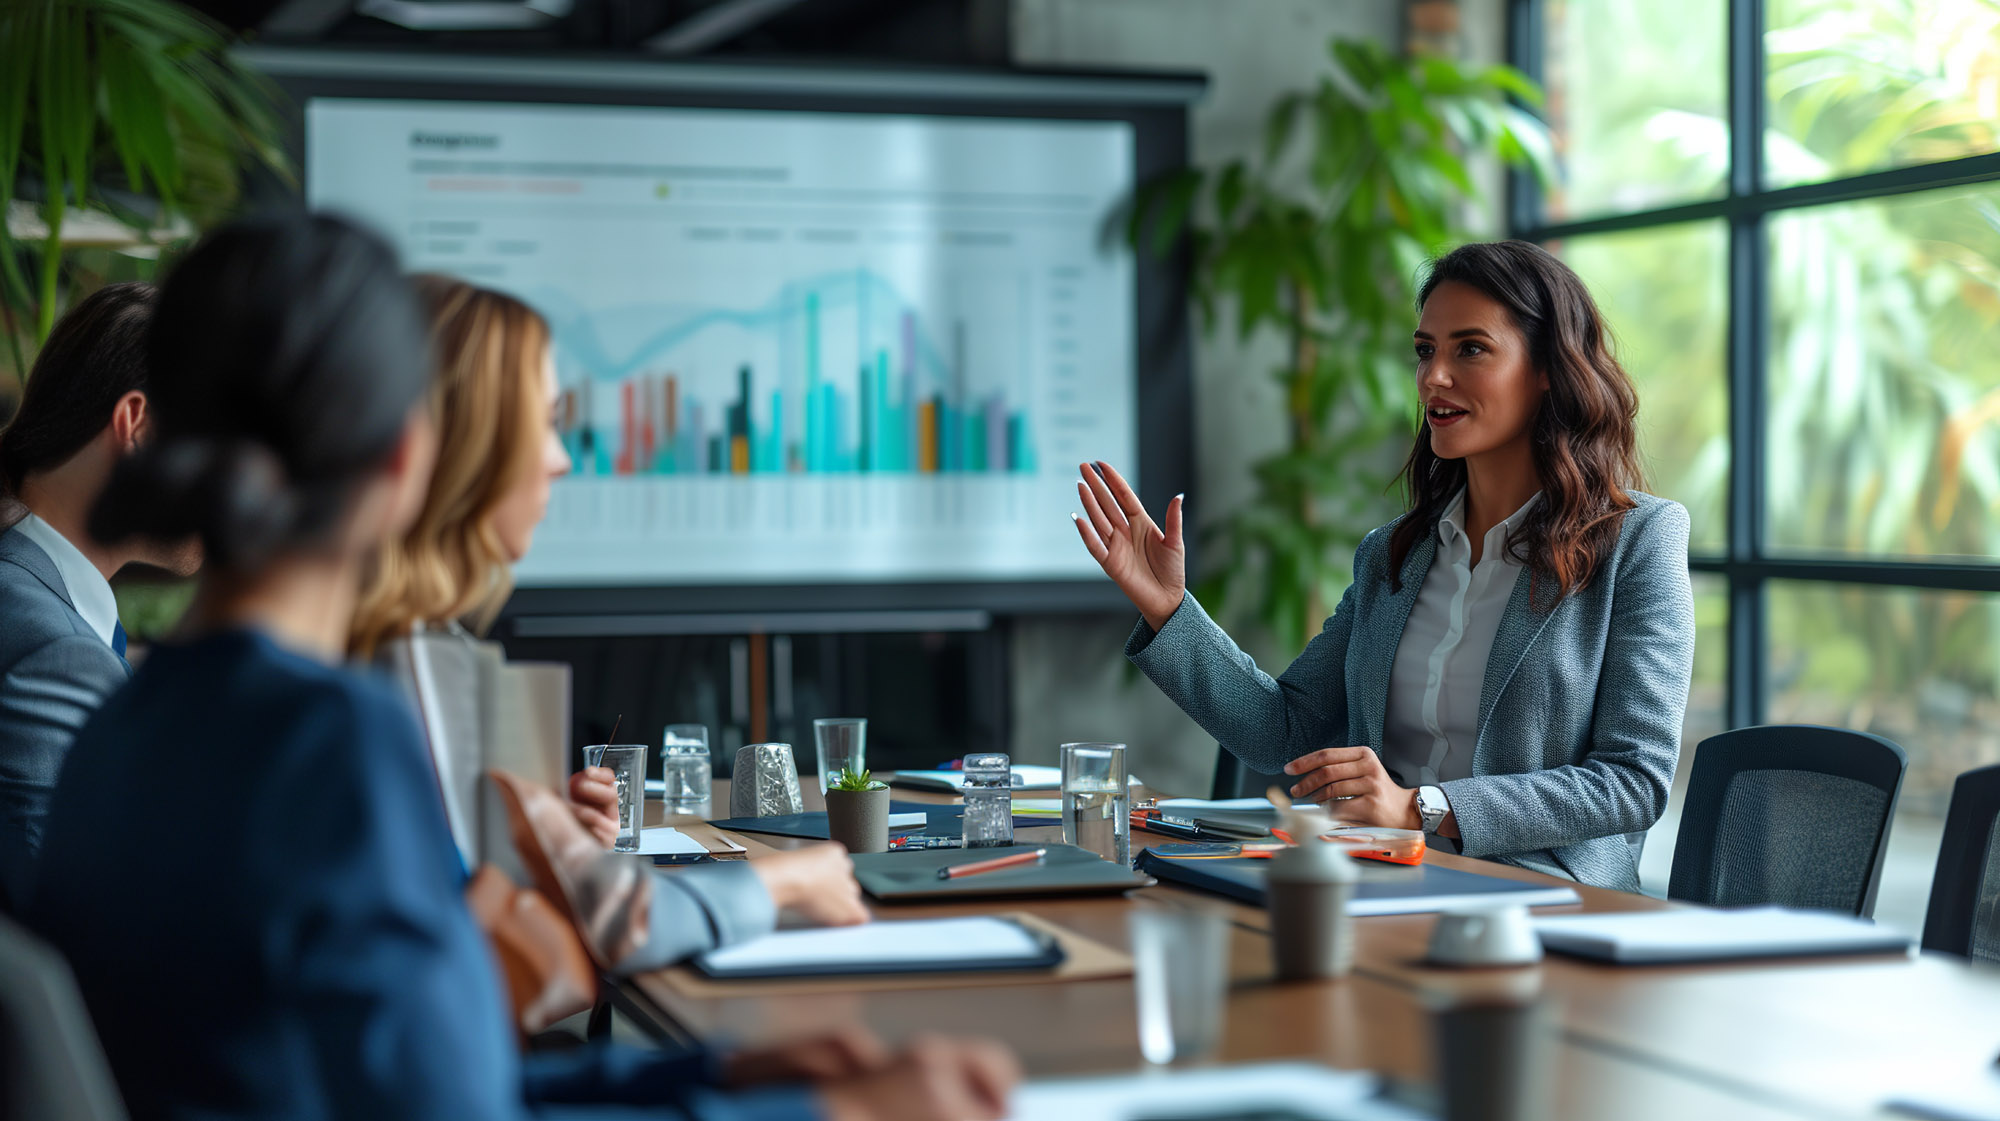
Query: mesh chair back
x,y
1788,814
51,1067
1964,913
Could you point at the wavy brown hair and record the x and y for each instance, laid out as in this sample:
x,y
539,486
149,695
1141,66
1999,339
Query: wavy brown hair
x,y
488,349
1584,434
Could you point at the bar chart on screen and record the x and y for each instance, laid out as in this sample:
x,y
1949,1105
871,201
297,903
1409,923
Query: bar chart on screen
x,y
807,347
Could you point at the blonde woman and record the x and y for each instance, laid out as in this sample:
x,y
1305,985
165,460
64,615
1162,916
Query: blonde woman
x,y
493,401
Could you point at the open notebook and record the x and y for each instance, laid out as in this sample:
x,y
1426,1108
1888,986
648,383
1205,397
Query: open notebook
x,y
959,945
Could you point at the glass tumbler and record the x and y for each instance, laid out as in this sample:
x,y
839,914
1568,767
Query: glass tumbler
x,y
685,768
842,745
989,800
627,762
1180,975
1096,808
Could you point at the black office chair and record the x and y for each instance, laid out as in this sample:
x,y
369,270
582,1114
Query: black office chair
x,y
51,1067
1964,914
1234,780
1791,814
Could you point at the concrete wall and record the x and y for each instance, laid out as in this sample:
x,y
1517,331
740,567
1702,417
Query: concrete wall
x,y
1071,681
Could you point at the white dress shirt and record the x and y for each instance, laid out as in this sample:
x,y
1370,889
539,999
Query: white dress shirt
x,y
89,591
1432,719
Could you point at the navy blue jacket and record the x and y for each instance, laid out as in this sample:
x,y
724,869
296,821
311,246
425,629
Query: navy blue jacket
x,y
248,867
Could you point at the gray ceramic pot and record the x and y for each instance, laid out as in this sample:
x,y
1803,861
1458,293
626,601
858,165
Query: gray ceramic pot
x,y
859,819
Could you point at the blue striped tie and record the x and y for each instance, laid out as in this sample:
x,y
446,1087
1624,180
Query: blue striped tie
x,y
118,638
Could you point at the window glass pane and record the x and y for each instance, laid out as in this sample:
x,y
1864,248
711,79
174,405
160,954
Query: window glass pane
x,y
1859,85
1663,292
1884,405
1705,714
1637,100
1921,668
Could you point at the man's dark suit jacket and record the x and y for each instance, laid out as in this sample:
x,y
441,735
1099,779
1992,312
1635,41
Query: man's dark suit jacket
x,y
54,674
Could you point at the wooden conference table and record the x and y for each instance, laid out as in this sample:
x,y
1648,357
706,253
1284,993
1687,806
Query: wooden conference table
x,y
1811,1038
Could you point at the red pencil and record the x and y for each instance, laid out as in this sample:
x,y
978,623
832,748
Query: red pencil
x,y
954,871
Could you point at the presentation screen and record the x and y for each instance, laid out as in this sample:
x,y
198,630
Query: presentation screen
x,y
790,347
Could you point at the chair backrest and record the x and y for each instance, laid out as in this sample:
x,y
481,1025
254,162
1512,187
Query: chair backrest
x,y
1234,780
1964,914
1791,814
51,1067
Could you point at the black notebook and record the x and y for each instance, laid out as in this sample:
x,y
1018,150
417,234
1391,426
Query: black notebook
x,y
941,821
1066,870
1384,890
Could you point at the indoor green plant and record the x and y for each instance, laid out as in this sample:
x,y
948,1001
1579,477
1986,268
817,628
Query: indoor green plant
x,y
124,116
857,811
1321,238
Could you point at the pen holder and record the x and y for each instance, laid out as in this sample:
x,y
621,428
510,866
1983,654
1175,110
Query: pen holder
x,y
859,819
765,782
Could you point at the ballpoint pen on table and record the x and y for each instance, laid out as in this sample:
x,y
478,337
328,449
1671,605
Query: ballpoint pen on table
x,y
954,871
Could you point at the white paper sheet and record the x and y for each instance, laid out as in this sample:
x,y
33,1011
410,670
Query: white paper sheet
x,y
1199,804
1308,1090
978,938
1705,933
905,821
664,840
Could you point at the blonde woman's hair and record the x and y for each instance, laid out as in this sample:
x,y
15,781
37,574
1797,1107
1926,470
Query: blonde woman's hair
x,y
486,398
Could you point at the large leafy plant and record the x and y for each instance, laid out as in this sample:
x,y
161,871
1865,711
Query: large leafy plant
x,y
1321,237
129,110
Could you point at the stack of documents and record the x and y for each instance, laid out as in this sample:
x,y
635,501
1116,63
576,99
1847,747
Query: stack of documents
x,y
1708,934
1026,777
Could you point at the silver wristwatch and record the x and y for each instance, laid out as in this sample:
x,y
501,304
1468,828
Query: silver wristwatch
x,y
1431,806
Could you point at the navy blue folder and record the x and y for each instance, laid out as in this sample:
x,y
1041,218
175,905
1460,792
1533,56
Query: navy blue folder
x,y
1385,889
941,821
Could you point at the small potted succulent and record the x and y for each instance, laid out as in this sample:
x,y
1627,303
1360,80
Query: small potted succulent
x,y
857,812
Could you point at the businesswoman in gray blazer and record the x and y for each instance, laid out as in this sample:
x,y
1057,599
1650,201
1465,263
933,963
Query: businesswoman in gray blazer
x,y
1509,669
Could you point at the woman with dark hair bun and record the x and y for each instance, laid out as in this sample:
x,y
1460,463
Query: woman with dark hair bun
x,y
297,945
1510,667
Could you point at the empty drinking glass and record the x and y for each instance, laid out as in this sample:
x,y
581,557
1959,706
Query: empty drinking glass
x,y
685,768
1096,810
628,770
1180,974
989,800
842,743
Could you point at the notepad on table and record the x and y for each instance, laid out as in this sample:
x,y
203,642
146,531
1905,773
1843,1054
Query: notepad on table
x,y
664,840
1710,934
956,945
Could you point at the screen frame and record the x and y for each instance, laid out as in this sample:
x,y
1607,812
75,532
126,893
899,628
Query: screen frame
x,y
1155,105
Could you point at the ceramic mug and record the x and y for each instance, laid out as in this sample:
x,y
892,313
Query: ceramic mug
x,y
1485,936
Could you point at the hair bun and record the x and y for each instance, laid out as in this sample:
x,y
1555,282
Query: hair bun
x,y
233,494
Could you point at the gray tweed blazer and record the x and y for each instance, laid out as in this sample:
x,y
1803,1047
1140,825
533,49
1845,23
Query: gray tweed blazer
x,y
1579,718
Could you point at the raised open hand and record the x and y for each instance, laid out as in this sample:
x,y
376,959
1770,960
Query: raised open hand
x,y
1147,563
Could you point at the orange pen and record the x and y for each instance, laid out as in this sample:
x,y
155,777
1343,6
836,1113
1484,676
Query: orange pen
x,y
954,871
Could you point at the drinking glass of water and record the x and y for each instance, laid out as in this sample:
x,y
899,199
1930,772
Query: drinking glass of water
x,y
627,762
1096,810
989,800
842,743
685,768
1180,974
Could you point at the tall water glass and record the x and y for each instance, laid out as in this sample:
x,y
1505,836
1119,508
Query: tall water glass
x,y
989,800
1096,810
1180,974
685,768
627,762
842,744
